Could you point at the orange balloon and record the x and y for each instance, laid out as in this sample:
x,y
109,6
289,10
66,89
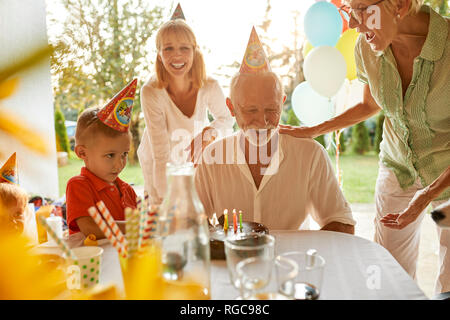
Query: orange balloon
x,y
338,3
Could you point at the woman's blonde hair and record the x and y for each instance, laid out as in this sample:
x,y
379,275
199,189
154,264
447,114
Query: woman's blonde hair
x,y
180,29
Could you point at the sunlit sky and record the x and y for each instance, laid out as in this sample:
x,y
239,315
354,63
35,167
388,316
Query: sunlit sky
x,y
222,27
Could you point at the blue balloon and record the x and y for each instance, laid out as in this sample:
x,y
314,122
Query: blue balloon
x,y
310,107
323,24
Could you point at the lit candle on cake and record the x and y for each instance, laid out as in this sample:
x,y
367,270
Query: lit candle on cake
x,y
225,221
214,221
234,221
240,220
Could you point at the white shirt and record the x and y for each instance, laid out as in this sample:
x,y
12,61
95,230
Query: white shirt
x,y
303,183
168,131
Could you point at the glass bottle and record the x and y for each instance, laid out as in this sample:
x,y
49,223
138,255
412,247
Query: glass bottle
x,y
184,235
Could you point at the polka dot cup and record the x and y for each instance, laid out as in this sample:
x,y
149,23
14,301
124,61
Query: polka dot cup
x,y
86,269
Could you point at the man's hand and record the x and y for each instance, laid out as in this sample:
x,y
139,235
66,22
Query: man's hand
x,y
299,132
199,143
339,227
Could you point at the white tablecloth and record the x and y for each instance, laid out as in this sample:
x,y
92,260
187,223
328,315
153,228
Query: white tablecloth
x,y
350,263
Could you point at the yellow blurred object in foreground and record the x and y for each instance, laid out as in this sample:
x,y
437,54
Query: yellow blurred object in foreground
x,y
15,126
185,290
143,279
98,292
142,274
22,273
8,87
44,211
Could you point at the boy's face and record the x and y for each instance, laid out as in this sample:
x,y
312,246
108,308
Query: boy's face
x,y
105,156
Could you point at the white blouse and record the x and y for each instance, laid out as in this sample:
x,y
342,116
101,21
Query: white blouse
x,y
168,131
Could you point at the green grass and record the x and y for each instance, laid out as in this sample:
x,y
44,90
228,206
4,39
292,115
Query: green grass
x,y
131,174
359,175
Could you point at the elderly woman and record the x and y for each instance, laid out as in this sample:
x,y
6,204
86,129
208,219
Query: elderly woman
x,y
403,57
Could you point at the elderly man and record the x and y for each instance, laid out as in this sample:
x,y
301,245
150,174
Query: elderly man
x,y
276,180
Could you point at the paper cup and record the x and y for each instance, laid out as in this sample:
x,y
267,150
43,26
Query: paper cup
x,y
85,271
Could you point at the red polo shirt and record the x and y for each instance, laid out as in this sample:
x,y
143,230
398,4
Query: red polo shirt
x,y
85,190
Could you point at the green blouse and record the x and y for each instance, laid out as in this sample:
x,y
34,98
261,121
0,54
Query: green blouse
x,y
416,131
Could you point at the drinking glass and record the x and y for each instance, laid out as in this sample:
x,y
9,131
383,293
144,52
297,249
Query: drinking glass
x,y
257,281
247,246
308,282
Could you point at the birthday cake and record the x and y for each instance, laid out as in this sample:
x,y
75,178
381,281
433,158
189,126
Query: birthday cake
x,y
217,235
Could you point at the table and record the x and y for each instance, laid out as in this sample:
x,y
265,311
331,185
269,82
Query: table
x,y
351,265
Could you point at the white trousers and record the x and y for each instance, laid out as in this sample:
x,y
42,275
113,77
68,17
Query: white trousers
x,y
404,244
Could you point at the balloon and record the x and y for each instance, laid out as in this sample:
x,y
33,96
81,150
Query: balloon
x,y
350,94
323,24
338,4
325,70
307,47
310,107
346,46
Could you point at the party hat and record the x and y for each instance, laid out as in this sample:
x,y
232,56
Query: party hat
x,y
117,112
178,13
8,173
255,60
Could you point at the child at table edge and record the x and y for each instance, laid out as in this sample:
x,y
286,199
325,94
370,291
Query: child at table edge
x,y
13,199
102,141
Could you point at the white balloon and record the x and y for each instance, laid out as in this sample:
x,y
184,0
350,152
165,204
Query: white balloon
x,y
350,94
325,70
310,107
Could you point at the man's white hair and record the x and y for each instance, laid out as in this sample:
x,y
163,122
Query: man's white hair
x,y
237,76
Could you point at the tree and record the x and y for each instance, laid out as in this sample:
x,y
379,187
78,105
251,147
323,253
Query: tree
x,y
288,62
62,140
101,47
441,6
360,138
342,146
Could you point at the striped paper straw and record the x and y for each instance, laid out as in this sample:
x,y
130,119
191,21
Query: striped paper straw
x,y
138,203
93,212
150,227
112,224
132,229
144,220
60,242
142,225
146,197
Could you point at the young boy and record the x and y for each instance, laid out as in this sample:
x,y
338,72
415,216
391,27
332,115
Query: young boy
x,y
13,199
102,140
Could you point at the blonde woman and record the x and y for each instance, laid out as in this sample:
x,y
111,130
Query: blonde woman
x,y
175,102
403,57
